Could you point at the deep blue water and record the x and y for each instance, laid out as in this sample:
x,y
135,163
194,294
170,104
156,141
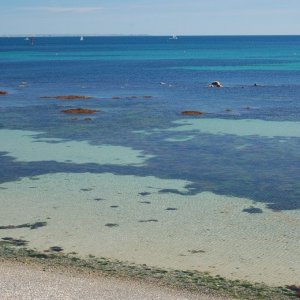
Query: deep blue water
x,y
268,170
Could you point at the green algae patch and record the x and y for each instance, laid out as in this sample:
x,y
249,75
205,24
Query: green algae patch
x,y
189,280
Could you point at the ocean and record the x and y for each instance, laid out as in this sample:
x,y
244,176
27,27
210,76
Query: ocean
x,y
139,181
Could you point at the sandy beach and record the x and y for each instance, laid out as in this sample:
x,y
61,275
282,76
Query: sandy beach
x,y
34,281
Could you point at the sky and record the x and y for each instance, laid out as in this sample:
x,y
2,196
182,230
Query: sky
x,y
153,17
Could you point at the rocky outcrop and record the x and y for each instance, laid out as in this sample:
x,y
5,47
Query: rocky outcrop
x,y
216,84
3,92
68,97
80,111
192,113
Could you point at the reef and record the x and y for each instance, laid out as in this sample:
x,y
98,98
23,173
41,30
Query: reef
x,y
68,97
80,111
192,113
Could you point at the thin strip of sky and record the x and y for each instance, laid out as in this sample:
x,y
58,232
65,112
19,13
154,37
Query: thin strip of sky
x,y
154,17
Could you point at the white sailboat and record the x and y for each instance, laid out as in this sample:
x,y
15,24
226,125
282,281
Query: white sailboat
x,y
81,38
173,37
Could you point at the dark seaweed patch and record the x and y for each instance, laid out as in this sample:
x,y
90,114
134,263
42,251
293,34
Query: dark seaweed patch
x,y
15,242
111,225
174,191
56,249
196,251
35,225
171,208
253,210
99,199
86,190
144,193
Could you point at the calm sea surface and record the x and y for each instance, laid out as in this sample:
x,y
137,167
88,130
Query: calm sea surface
x,y
139,181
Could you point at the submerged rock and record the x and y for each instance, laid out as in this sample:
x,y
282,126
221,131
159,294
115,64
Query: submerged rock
x,y
35,225
148,221
56,249
80,111
216,84
253,210
111,225
15,242
192,113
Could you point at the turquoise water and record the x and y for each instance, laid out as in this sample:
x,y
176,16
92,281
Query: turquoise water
x,y
168,183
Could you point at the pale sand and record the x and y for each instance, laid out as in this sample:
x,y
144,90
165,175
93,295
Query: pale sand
x,y
24,281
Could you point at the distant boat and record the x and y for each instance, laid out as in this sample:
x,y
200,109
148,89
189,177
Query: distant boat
x,y
81,38
173,37
27,39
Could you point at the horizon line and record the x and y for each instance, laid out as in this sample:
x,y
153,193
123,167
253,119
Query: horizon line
x,y
133,35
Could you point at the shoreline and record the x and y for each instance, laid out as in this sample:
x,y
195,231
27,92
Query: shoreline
x,y
185,283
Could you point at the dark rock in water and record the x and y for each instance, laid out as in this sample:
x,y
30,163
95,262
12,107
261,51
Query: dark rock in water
x,y
216,84
114,206
56,249
196,251
192,113
145,202
253,210
8,227
228,110
111,225
171,208
148,221
3,92
80,111
37,225
99,199
7,238
88,119
68,97
144,193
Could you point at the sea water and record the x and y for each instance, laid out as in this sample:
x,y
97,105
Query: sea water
x,y
138,181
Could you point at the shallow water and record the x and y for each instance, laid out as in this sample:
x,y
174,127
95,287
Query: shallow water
x,y
174,191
